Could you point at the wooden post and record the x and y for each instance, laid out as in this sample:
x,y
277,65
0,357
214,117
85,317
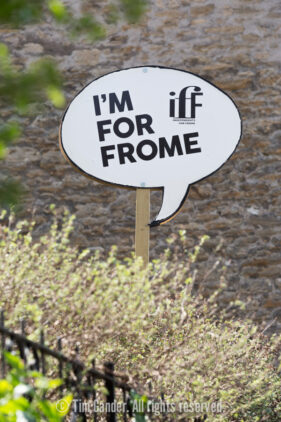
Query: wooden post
x,y
142,224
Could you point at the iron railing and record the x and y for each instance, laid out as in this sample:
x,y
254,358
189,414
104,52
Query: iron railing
x,y
82,381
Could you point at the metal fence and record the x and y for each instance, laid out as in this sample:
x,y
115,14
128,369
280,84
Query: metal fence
x,y
83,382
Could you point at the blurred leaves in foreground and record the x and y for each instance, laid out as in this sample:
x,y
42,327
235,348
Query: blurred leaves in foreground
x,y
21,12
23,395
21,89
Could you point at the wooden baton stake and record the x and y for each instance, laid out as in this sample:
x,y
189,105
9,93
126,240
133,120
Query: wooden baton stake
x,y
142,224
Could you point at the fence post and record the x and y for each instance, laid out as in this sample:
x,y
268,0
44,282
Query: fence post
x,y
125,405
21,345
22,326
110,398
42,342
93,381
79,409
59,347
2,323
163,409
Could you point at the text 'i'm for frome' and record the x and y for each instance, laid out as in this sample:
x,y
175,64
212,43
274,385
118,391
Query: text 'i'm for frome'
x,y
140,125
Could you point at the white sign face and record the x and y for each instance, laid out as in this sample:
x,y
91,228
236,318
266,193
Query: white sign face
x,y
151,127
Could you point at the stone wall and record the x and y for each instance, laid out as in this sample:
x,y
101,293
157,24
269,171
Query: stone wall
x,y
234,44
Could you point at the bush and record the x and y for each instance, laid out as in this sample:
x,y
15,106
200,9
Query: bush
x,y
145,320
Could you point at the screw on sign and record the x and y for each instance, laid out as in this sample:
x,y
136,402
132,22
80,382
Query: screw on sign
x,y
149,128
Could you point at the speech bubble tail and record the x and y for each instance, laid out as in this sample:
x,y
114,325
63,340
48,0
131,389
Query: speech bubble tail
x,y
173,199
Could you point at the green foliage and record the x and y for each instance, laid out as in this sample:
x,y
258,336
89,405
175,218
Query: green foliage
x,y
8,133
20,12
83,25
58,10
16,13
138,405
134,9
10,192
87,25
23,89
145,320
23,395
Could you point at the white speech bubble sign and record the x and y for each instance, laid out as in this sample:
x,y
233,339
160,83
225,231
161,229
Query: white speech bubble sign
x,y
151,127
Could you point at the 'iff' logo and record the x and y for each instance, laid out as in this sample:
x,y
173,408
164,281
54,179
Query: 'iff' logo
x,y
183,108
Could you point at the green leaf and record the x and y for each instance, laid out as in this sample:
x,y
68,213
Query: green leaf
x,y
67,400
19,12
134,9
56,96
138,405
4,52
8,133
5,387
139,418
10,193
49,410
14,361
44,383
58,410
88,26
12,406
58,9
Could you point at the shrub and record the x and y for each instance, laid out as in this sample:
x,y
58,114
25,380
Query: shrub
x,y
145,320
